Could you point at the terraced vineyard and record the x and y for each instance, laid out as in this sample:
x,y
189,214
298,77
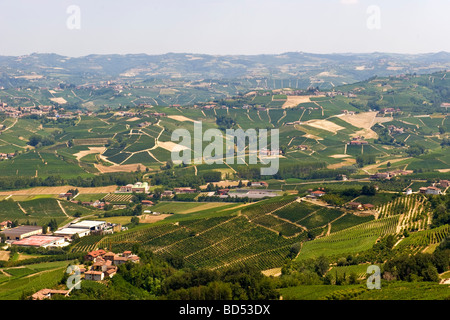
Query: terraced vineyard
x,y
87,244
413,210
420,240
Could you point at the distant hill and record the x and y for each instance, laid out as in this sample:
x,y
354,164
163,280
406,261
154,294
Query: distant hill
x,y
302,69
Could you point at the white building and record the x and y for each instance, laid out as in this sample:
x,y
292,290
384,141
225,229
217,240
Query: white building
x,y
433,191
70,232
91,225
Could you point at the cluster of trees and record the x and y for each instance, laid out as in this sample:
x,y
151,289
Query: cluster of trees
x,y
212,176
156,278
421,266
363,160
177,178
445,142
384,136
52,225
107,179
224,122
339,198
440,205
310,170
415,151
39,141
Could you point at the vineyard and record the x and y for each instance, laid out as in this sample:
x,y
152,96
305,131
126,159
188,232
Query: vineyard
x,y
211,243
421,240
413,210
118,198
86,244
267,206
349,241
263,234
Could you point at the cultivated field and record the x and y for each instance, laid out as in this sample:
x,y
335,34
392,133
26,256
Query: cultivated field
x,y
92,150
57,190
120,168
293,101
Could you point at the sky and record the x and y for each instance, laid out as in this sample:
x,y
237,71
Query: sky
x,y
82,27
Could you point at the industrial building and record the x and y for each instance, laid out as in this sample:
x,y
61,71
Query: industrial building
x,y
70,232
91,225
40,241
20,232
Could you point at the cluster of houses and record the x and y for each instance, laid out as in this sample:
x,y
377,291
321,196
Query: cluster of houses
x,y
6,156
358,141
50,112
348,112
395,130
359,206
384,111
138,187
105,264
436,188
390,174
333,94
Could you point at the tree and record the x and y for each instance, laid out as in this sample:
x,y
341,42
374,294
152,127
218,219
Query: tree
x,y
137,211
53,225
135,220
321,265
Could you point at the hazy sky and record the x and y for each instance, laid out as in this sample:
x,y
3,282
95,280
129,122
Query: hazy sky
x,y
223,26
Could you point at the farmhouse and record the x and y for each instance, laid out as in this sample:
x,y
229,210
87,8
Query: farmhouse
x,y
444,183
317,193
430,190
223,192
368,206
126,189
91,256
40,241
167,193
184,190
358,142
5,225
147,202
48,293
355,206
94,275
21,232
